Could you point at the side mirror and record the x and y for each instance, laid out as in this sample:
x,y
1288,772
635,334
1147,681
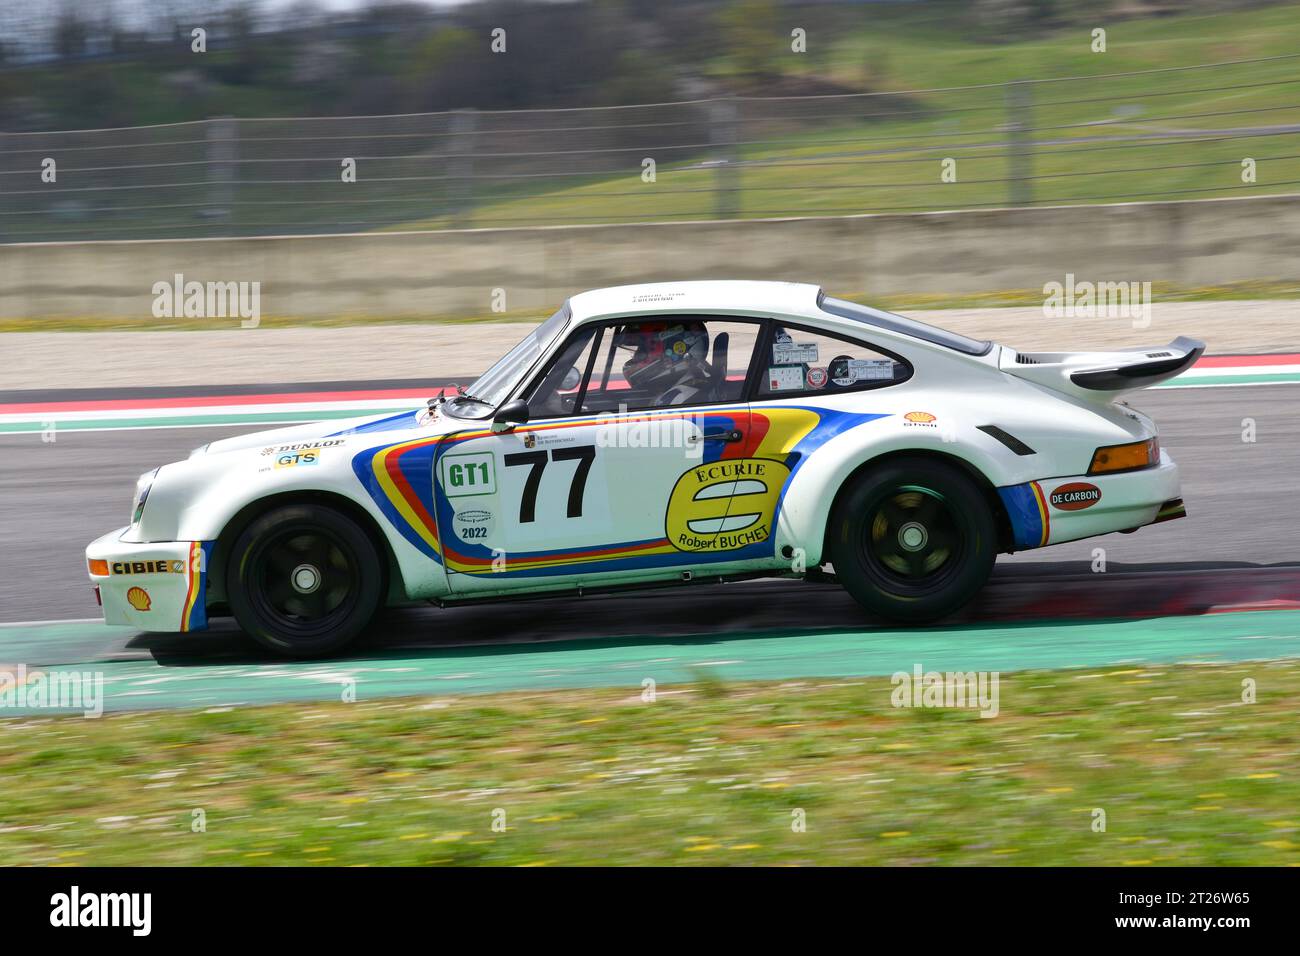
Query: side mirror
x,y
512,413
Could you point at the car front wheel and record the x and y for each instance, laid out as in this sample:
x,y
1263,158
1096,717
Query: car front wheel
x,y
304,580
912,540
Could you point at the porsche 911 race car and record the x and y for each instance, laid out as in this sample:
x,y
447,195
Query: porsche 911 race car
x,y
655,434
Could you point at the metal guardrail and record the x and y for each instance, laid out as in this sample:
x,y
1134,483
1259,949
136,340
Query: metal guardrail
x,y
1049,140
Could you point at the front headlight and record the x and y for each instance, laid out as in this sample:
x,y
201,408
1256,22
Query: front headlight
x,y
142,487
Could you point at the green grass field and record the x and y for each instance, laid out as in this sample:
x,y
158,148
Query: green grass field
x,y
834,166
709,773
1163,292
806,157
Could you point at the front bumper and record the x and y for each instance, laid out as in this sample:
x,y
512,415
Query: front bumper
x,y
1124,501
153,586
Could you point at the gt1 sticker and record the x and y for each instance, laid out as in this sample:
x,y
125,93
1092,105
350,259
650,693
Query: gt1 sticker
x,y
791,353
785,378
817,377
1075,496
724,505
471,474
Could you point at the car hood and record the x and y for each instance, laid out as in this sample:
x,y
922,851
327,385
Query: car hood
x,y
361,431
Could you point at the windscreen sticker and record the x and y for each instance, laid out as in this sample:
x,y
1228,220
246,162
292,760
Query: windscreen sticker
x,y
847,371
791,353
817,377
785,378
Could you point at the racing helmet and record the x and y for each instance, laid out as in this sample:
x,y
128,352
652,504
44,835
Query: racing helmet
x,y
664,354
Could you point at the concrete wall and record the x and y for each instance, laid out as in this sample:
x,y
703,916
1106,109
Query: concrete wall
x,y
1201,242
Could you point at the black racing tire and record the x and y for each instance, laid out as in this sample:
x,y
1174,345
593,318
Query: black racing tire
x,y
305,580
912,539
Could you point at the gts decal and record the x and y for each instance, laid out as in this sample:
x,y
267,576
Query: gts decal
x,y
584,455
724,505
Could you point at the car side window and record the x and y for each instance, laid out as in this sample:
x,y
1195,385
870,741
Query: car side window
x,y
660,362
805,362
556,393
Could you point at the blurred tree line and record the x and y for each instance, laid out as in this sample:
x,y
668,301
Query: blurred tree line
x,y
69,64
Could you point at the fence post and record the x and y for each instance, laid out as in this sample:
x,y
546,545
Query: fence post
x,y
1020,165
222,149
724,120
464,124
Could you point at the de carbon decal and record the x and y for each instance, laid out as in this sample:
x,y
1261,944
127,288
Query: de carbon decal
x,y
1075,496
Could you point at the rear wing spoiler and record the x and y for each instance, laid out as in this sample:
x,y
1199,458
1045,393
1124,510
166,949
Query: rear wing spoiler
x,y
1104,375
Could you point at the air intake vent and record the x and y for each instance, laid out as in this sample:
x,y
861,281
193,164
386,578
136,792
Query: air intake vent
x,y
1026,360
1159,354
1011,441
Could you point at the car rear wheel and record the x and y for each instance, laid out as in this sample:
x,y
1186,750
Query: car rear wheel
x,y
912,540
304,580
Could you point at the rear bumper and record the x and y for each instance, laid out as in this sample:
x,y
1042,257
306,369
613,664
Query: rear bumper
x,y
1055,510
154,586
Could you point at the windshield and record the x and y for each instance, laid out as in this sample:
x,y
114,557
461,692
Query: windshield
x,y
900,323
493,387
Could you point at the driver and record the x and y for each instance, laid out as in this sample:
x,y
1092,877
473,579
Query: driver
x,y
668,360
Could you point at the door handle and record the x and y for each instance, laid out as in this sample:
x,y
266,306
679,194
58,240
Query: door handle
x,y
732,435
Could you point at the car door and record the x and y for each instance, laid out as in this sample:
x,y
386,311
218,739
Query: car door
x,y
619,474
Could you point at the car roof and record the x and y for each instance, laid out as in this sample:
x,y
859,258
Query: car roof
x,y
718,297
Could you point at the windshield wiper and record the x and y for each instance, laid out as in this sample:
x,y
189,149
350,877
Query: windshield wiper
x,y
466,396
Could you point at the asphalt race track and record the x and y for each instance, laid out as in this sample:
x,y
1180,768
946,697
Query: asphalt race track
x,y
1236,550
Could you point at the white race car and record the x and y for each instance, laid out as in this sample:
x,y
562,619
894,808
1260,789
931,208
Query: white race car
x,y
655,434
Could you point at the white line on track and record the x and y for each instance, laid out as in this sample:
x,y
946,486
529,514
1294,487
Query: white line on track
x,y
65,620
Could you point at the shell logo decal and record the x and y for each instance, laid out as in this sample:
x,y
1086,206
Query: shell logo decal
x,y
921,418
138,598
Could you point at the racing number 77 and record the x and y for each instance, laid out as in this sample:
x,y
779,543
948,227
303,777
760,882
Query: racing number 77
x,y
584,455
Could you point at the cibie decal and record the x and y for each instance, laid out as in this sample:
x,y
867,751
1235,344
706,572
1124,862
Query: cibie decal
x,y
147,567
724,505
1075,496
138,598
920,418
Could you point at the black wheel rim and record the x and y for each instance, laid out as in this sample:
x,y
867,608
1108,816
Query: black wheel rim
x,y
303,581
912,539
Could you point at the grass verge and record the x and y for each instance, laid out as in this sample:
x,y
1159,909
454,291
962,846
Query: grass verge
x,y
1004,298
1185,771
